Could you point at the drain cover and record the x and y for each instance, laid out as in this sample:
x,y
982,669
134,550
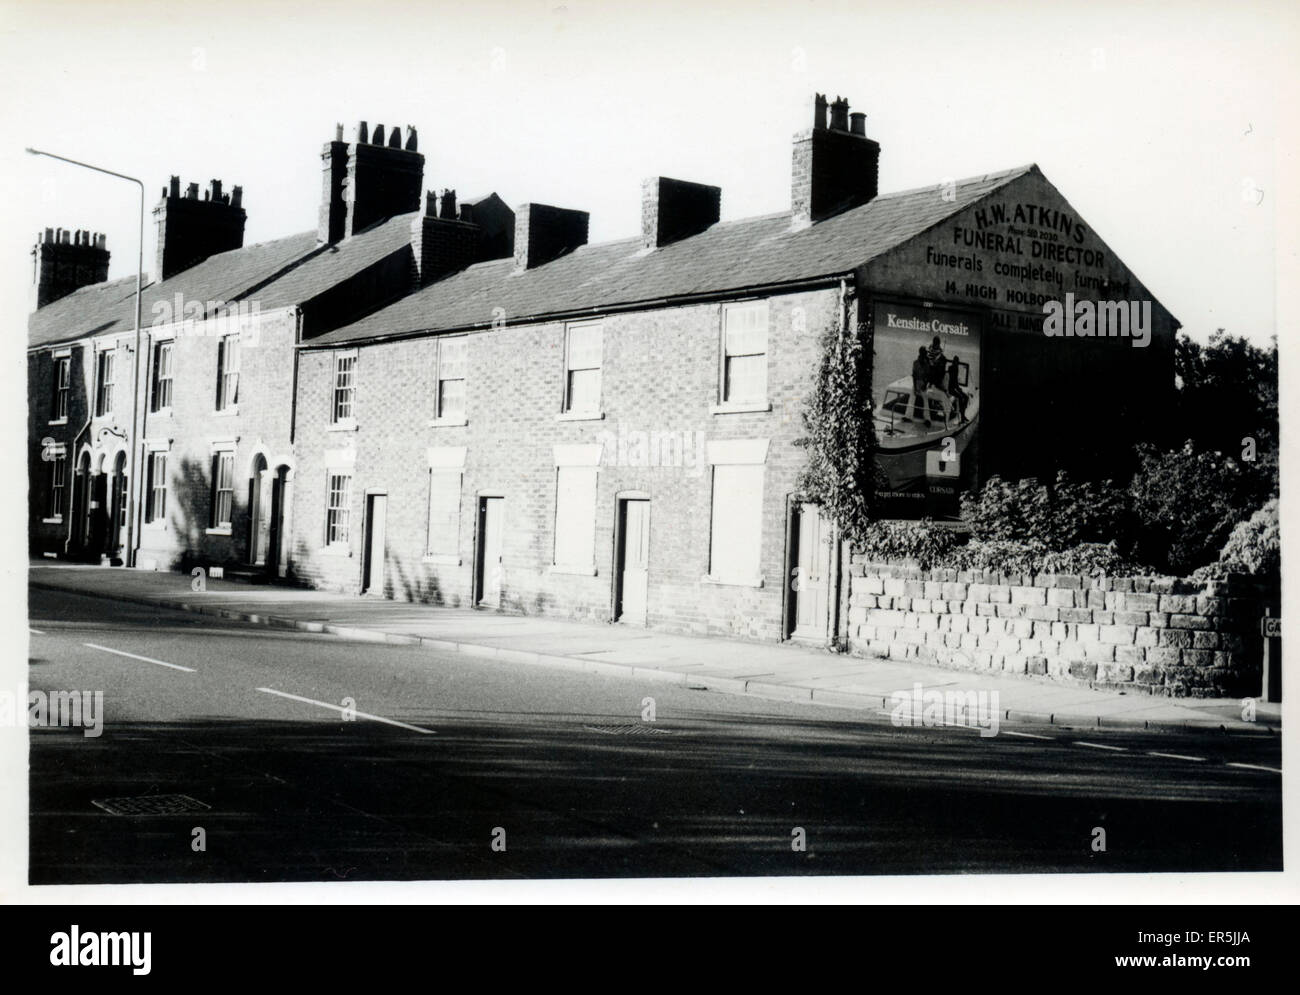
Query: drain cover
x,y
150,805
630,729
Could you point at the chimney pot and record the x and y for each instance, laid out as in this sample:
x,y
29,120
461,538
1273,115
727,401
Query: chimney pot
x,y
395,138
448,204
412,142
819,111
858,123
363,136
175,186
839,114
338,132
192,192
216,189
379,135
236,196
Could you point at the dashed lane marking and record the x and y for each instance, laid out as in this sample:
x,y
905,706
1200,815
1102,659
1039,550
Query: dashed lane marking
x,y
339,708
1271,770
36,632
1174,756
1101,746
136,656
1026,735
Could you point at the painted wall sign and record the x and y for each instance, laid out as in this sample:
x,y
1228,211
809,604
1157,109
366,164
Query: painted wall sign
x,y
925,397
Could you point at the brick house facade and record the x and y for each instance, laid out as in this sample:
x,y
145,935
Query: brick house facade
x,y
472,406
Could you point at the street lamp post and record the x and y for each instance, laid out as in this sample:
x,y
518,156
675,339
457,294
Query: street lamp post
x,y
132,488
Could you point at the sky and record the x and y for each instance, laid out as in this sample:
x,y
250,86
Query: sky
x,y
1158,122
1168,126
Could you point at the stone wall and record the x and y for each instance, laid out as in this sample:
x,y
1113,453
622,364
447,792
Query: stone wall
x,y
1157,635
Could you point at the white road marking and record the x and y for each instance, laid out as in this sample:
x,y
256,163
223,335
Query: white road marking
x,y
339,708
1027,735
1101,746
36,632
1174,756
1271,770
134,656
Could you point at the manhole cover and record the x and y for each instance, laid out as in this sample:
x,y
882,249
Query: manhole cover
x,y
630,729
150,805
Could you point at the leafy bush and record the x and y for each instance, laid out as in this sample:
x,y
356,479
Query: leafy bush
x,y
1085,559
925,542
1253,547
1188,503
1050,517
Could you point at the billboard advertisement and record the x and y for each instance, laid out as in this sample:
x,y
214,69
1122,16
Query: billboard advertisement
x,y
925,404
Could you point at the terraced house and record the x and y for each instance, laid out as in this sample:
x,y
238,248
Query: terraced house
x,y
469,405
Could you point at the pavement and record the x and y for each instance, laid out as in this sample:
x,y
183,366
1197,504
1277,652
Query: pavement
x,y
784,672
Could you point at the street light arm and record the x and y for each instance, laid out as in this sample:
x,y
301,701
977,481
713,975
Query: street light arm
x,y
85,165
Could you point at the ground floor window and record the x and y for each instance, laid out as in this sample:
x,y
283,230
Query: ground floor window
x,y
338,510
575,516
223,490
736,523
444,513
58,485
156,509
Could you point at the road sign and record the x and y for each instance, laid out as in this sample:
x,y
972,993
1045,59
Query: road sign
x,y
1270,626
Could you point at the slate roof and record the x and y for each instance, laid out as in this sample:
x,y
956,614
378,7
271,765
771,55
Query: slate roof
x,y
729,256
281,273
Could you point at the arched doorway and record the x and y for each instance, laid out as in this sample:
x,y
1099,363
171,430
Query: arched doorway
x,y
117,514
261,505
80,533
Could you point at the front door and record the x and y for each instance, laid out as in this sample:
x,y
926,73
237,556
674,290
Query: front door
x,y
117,520
810,575
373,580
262,507
488,566
633,561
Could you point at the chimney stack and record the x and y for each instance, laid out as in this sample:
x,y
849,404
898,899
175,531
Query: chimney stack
x,y
368,180
544,233
675,209
833,168
66,261
444,242
190,230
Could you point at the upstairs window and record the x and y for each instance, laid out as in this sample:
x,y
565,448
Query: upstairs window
x,y
162,376
345,368
104,383
227,372
452,360
62,385
744,353
583,349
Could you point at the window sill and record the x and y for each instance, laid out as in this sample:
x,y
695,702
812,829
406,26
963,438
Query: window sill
x,y
566,568
56,520
226,412
455,422
341,426
732,581
336,550
735,407
442,560
223,531
580,416
58,421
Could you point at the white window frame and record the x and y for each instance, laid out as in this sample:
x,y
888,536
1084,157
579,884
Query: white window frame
x,y
726,403
751,454
440,415
62,388
58,506
156,380
228,379
567,410
217,525
155,518
338,536
105,360
338,390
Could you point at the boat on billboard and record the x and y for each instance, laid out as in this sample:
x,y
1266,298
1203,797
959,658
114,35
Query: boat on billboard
x,y
925,399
